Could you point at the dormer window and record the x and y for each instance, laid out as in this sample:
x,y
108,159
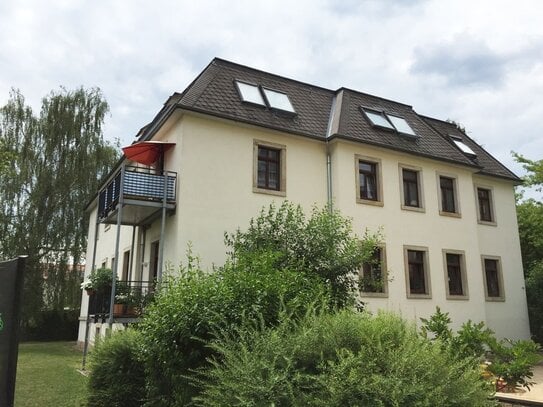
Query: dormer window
x,y
401,125
389,121
378,119
278,100
462,146
250,93
259,95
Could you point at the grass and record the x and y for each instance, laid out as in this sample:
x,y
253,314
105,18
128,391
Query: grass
x,y
47,375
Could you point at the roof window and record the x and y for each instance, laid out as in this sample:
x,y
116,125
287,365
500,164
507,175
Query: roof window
x,y
278,100
462,146
250,93
388,121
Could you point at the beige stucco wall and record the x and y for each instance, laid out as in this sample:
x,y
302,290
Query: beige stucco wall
x,y
214,162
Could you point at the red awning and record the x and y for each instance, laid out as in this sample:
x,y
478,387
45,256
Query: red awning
x,y
146,152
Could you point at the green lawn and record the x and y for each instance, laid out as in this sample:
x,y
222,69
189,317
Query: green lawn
x,y
47,375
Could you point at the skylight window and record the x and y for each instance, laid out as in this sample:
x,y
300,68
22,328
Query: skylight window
x,y
250,93
378,119
278,100
401,125
462,146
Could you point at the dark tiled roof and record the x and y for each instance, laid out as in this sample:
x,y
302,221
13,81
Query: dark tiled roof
x,y
489,165
214,92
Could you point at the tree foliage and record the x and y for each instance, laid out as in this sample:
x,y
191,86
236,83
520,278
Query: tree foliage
x,y
530,222
57,158
323,244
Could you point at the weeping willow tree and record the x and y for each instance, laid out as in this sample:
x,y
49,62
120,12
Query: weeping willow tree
x,y
53,162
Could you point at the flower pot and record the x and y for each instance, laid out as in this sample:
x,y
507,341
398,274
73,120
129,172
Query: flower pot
x,y
90,291
118,309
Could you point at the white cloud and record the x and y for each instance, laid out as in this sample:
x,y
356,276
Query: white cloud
x,y
475,62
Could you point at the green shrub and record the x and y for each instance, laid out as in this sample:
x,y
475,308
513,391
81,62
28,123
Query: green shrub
x,y
117,376
342,359
511,361
188,310
323,244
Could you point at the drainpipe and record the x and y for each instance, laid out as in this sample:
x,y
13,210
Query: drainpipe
x,y
329,192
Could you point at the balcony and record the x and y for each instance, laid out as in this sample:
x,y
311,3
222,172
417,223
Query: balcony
x,y
131,299
142,192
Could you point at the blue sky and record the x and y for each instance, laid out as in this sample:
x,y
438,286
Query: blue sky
x,y
478,63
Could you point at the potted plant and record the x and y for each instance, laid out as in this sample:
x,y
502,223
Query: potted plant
x,y
88,287
122,298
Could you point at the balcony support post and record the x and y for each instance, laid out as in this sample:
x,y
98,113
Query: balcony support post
x,y
93,267
117,243
162,227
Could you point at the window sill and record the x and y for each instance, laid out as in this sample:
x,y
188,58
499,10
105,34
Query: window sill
x,y
419,296
487,223
369,202
450,214
413,208
269,191
458,297
494,299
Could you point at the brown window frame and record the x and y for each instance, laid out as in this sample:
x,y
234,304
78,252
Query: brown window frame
x,y
380,289
423,269
376,164
460,269
498,278
405,184
486,214
280,167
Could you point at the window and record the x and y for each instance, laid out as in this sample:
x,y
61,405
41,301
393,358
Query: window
x,y
372,278
278,100
378,119
416,269
401,125
368,185
455,274
126,266
485,204
462,146
388,121
250,93
411,188
448,202
493,278
269,168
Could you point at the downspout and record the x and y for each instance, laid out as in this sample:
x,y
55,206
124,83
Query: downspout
x,y
329,191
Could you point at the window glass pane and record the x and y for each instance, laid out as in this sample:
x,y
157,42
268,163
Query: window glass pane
x,y
492,278
378,119
485,212
401,125
454,273
417,278
464,147
278,100
410,188
368,180
250,93
371,279
447,194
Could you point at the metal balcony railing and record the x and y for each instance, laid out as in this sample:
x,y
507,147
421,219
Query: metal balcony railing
x,y
131,298
139,184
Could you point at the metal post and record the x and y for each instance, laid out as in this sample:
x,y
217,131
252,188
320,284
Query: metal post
x,y
143,237
93,267
132,252
162,227
117,243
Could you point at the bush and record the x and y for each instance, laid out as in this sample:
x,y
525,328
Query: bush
x,y
511,361
323,244
342,359
117,376
190,309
